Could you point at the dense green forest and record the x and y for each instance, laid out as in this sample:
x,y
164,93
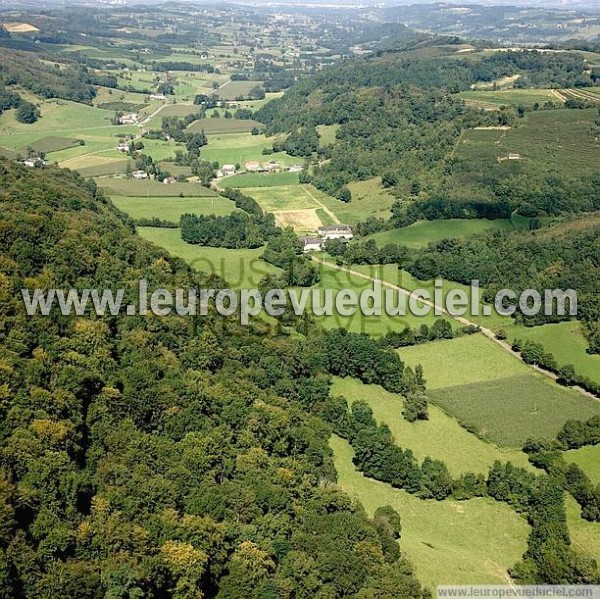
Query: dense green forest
x,y
170,457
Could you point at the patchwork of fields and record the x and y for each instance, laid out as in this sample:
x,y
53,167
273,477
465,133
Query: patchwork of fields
x,y
485,387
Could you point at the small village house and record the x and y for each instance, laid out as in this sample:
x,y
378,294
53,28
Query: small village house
x,y
228,169
139,175
312,244
252,166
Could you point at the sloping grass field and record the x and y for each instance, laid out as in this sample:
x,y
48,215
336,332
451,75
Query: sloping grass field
x,y
440,437
368,199
565,341
260,180
421,233
150,189
220,126
588,459
171,208
485,387
241,269
448,542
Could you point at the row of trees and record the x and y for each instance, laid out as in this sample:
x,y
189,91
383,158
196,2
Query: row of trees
x,y
549,558
237,230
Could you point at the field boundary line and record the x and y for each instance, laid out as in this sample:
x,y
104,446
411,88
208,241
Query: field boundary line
x,y
335,219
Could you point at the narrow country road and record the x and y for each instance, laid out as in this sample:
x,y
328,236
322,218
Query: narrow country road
x,y
464,321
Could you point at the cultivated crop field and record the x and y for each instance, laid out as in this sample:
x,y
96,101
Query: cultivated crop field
x,y
422,233
440,437
241,269
448,542
282,197
484,386
510,97
546,140
171,208
148,188
236,89
238,148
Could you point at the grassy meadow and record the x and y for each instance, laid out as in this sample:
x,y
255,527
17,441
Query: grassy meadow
x,y
422,233
448,542
588,459
260,180
368,199
241,269
485,387
441,437
148,188
377,326
171,208
565,341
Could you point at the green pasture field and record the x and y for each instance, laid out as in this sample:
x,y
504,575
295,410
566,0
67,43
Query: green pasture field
x,y
56,115
368,199
171,208
260,180
585,536
148,188
325,217
221,125
422,233
448,542
239,148
241,269
588,459
441,437
327,134
475,380
390,273
565,341
372,325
